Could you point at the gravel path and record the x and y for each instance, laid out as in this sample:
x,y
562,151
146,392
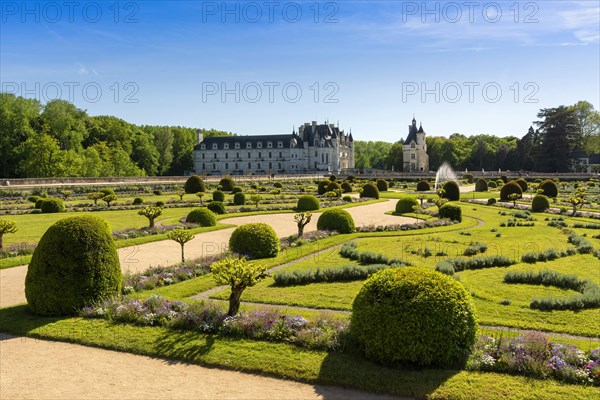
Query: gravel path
x,y
39,369
166,252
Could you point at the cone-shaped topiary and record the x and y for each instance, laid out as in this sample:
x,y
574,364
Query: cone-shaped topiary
x,y
308,203
202,217
509,188
539,203
481,185
227,184
549,188
74,265
406,204
382,185
194,184
413,315
523,183
254,241
423,186
452,191
370,190
336,220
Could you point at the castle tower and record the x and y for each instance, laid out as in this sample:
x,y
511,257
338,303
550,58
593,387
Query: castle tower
x,y
414,149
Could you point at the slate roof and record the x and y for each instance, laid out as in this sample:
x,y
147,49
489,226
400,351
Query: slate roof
x,y
220,141
412,134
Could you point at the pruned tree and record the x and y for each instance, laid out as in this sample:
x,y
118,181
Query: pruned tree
x,y
151,212
6,227
95,196
514,197
578,200
256,199
109,199
200,196
181,236
181,193
302,219
239,274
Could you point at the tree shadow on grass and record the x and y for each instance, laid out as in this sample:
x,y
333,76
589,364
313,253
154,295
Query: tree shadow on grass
x,y
352,370
21,321
184,347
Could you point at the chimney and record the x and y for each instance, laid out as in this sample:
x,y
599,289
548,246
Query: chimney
x,y
314,123
200,137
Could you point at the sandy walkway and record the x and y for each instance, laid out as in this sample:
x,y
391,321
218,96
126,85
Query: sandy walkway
x,y
139,258
41,369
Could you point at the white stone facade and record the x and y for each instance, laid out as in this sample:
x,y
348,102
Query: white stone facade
x,y
414,150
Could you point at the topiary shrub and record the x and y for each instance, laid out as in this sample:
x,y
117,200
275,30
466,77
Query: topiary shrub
x,y
370,190
336,220
39,202
540,203
236,189
33,199
423,186
75,264
406,204
202,217
254,241
413,315
382,185
322,187
218,196
549,188
137,201
332,178
308,203
481,185
509,188
350,178
194,184
108,192
218,207
227,184
491,201
52,205
278,185
504,178
451,211
468,177
492,185
523,183
239,199
160,203
334,187
452,191
346,187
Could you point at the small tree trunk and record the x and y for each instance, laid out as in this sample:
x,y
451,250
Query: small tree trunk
x,y
574,213
95,202
300,230
234,301
182,257
1,235
151,223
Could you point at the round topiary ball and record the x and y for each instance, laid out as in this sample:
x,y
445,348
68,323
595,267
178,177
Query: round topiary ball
x,y
523,183
452,191
423,186
540,203
481,185
322,187
492,185
509,188
346,187
382,185
218,196
52,205
239,199
369,190
549,188
218,207
237,189
202,217
138,201
278,185
108,192
308,203
414,315
504,178
334,187
194,184
75,264
406,204
227,184
254,241
336,220
450,211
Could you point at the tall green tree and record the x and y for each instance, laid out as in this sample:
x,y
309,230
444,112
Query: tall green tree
x,y
66,123
558,136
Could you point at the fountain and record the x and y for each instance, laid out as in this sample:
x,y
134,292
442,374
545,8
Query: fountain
x,y
444,173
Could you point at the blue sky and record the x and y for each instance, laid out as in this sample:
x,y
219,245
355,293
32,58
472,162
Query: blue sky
x,y
457,66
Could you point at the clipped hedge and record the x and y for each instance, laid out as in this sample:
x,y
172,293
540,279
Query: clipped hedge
x,y
382,185
238,189
413,315
539,203
218,207
336,220
492,185
75,264
423,186
346,273
257,240
194,184
451,211
406,204
202,217
451,265
452,191
481,185
308,203
346,187
369,190
52,205
239,199
508,189
227,184
523,183
549,188
217,195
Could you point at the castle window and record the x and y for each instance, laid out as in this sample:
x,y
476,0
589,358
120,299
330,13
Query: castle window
x,y
248,145
269,144
249,165
248,156
259,145
269,154
279,165
214,166
236,165
203,146
226,166
259,154
237,155
258,165
280,155
226,155
279,144
412,145
203,166
237,145
214,146
413,156
215,155
270,165
203,156
226,146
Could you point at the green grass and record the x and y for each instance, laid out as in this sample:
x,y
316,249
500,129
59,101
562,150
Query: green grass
x,y
286,361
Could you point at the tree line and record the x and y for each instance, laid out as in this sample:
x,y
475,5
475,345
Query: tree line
x,y
59,140
546,147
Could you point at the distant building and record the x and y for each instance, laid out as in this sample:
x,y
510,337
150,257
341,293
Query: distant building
x,y
313,149
414,149
583,162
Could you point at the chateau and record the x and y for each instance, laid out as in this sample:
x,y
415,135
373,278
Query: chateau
x,y
313,149
414,149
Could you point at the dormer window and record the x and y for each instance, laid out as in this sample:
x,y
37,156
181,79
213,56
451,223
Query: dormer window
x,y
203,146
412,144
226,146
214,146
259,145
279,144
248,145
269,144
237,145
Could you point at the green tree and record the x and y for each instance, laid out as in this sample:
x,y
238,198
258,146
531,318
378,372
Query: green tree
x,y
109,198
559,136
302,219
6,227
95,196
163,140
238,274
151,212
66,123
256,199
41,157
587,126
181,236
